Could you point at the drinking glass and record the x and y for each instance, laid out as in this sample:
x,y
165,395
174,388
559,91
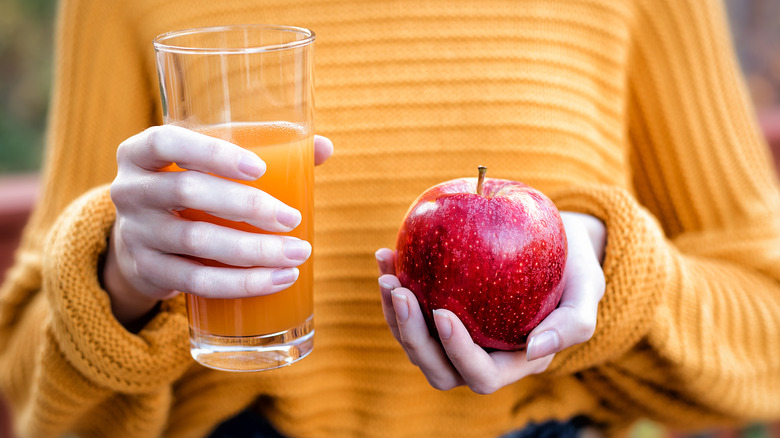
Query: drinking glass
x,y
252,85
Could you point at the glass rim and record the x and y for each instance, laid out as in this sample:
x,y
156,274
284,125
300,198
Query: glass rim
x,y
160,45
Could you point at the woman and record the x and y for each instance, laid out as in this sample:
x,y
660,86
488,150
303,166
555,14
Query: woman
x,y
629,115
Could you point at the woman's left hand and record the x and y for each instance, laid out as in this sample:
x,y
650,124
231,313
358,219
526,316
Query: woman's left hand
x,y
455,360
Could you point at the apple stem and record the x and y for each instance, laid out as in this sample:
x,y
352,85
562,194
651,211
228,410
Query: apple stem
x,y
481,179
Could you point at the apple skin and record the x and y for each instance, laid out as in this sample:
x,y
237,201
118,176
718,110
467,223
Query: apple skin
x,y
496,260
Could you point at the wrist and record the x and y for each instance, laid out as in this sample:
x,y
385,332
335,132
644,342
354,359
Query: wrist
x,y
130,307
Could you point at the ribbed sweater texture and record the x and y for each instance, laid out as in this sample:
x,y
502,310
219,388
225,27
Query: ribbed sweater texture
x,y
633,111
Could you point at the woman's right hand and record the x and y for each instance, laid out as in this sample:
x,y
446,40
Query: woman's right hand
x,y
147,258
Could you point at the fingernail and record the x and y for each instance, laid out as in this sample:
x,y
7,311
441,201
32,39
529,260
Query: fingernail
x,y
384,285
378,256
251,165
287,216
443,324
401,306
295,249
543,344
284,276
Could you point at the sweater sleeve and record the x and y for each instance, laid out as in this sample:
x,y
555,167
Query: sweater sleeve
x,y
66,365
688,332
82,325
86,363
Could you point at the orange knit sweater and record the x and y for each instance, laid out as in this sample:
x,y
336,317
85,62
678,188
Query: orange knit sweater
x,y
629,110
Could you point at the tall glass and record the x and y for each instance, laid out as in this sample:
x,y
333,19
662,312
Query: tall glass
x,y
252,85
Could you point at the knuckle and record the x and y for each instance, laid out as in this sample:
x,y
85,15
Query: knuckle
x,y
144,268
155,133
600,285
192,238
584,328
456,355
126,147
442,384
158,140
213,150
542,365
249,284
488,386
184,187
119,191
262,251
254,283
153,138
412,348
124,228
253,202
412,344
196,283
123,151
596,278
258,206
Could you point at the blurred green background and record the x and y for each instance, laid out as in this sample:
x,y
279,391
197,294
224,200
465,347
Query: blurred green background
x,y
25,74
26,29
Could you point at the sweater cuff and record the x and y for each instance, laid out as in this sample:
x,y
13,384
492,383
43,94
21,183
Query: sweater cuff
x,y
91,339
637,267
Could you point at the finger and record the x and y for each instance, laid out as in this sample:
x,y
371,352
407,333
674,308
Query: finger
x,y
423,350
323,149
387,283
219,197
472,363
385,258
159,146
174,273
484,373
574,320
515,365
227,245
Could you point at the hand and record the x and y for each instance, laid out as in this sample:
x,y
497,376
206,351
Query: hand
x,y
455,360
146,256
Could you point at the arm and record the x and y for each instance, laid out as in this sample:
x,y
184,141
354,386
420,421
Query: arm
x,y
73,365
703,225
57,334
684,326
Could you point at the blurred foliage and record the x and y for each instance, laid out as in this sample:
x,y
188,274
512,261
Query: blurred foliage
x,y
25,69
25,66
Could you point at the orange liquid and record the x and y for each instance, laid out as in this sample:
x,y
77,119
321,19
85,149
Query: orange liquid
x,y
288,152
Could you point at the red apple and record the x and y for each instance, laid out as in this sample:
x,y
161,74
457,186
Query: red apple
x,y
492,251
